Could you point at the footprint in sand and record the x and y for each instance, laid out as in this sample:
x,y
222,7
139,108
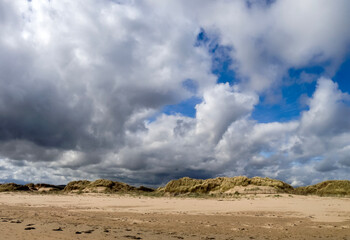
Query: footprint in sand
x,y
179,237
87,231
17,221
132,237
57,229
6,219
29,228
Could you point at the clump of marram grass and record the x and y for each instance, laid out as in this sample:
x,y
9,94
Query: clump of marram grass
x,y
326,188
13,187
221,185
110,186
76,185
104,186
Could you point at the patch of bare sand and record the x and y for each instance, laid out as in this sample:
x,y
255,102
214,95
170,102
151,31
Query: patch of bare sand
x,y
45,189
252,189
94,216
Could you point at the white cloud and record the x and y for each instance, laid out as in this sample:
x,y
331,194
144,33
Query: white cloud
x,y
221,106
173,145
327,110
267,40
80,79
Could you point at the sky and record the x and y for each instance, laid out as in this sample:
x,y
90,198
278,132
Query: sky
x,y
148,91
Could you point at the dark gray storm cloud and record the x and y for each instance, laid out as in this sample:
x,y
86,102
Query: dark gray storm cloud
x,y
82,81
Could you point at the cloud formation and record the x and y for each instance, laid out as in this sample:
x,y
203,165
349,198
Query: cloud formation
x,y
269,37
81,82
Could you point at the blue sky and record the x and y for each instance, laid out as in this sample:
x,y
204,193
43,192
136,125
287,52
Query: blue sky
x,y
148,91
292,92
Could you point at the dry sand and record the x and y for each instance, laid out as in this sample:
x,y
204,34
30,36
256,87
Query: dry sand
x,y
99,216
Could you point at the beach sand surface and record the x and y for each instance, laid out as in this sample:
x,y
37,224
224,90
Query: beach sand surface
x,y
103,216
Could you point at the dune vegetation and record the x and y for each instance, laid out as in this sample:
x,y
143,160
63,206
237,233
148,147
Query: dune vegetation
x,y
226,185
220,186
12,187
102,185
326,188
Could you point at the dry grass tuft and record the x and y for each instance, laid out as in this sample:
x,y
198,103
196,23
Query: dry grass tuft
x,y
12,187
103,185
327,188
76,185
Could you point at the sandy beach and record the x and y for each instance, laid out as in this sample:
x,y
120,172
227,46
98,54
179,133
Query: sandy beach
x,y
101,216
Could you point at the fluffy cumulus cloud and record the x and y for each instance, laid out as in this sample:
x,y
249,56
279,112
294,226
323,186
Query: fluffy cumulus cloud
x,y
83,85
268,37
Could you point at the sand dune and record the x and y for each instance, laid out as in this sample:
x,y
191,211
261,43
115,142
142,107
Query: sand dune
x,y
184,186
220,208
